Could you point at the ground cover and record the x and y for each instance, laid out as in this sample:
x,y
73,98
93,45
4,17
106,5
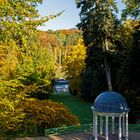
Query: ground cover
x,y
77,106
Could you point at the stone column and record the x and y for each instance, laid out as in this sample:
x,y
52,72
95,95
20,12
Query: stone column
x,y
123,127
120,128
106,129
126,128
101,125
96,127
113,125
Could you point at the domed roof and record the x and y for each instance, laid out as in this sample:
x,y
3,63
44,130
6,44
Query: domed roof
x,y
110,102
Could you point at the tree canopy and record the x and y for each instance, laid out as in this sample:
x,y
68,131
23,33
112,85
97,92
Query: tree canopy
x,y
132,9
98,23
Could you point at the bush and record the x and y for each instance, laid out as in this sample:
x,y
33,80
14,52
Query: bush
x,y
45,114
41,92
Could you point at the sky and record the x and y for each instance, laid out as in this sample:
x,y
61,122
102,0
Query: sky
x,y
69,18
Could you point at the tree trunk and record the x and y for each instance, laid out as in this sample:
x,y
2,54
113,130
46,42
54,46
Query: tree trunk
x,y
55,55
107,67
60,56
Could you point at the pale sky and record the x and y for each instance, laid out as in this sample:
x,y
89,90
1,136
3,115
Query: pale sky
x,y
68,19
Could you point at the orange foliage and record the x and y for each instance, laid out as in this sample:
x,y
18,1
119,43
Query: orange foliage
x,y
47,40
46,114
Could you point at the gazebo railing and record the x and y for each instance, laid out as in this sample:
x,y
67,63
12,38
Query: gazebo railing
x,y
68,129
63,130
83,128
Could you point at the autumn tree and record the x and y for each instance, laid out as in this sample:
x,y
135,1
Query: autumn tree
x,y
59,42
24,64
74,65
26,69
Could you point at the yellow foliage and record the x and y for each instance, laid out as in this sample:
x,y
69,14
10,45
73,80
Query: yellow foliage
x,y
75,63
21,73
128,29
2,2
11,94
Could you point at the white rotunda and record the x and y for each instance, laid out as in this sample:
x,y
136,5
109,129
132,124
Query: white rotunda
x,y
110,107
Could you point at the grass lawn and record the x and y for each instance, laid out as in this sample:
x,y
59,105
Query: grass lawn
x,y
77,106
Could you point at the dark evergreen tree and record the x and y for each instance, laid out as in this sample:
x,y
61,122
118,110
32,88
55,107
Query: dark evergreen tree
x,y
129,75
98,24
132,9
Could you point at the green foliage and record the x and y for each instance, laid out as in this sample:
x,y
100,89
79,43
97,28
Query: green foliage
x,y
32,77
99,20
93,77
68,37
132,9
33,68
114,43
40,92
128,74
40,67
130,67
19,20
99,24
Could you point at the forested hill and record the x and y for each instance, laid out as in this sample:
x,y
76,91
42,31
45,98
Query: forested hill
x,y
59,38
68,51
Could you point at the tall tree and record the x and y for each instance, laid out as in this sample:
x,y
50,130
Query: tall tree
x,y
98,24
74,64
132,9
19,20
